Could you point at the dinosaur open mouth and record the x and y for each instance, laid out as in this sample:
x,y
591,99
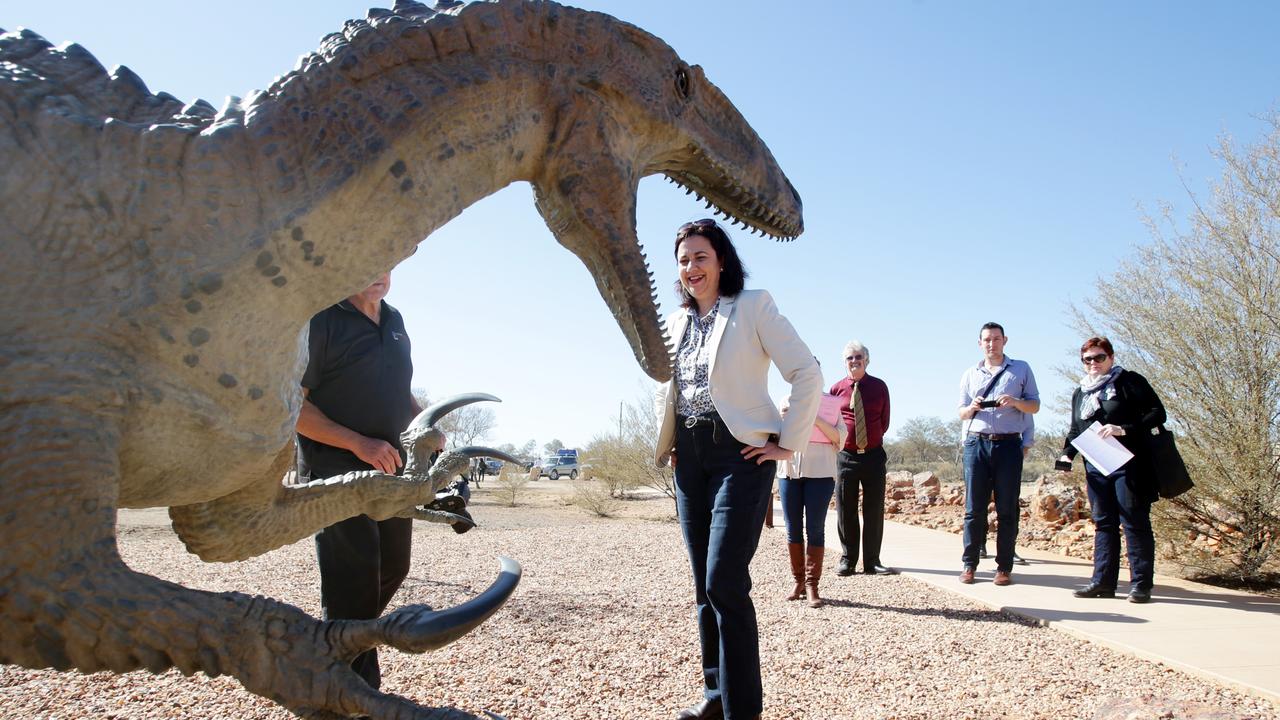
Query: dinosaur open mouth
x,y
739,205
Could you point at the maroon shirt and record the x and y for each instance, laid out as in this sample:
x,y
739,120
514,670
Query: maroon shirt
x,y
875,406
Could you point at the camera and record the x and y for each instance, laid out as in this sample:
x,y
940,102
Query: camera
x,y
988,403
1062,465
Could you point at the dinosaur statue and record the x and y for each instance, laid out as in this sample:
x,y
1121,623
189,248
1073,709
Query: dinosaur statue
x,y
162,261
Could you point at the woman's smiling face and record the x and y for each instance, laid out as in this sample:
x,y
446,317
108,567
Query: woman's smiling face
x,y
699,269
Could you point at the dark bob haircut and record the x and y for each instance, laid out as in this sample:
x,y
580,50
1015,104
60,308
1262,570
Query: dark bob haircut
x,y
733,274
1098,342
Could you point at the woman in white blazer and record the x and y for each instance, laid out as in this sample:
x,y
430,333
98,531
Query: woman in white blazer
x,y
724,435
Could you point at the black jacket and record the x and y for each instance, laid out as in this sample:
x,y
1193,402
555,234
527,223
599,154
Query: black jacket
x,y
1136,408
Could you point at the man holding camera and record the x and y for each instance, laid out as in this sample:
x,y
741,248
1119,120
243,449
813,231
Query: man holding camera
x,y
996,398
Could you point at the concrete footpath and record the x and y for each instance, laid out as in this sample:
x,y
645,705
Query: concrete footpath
x,y
1224,635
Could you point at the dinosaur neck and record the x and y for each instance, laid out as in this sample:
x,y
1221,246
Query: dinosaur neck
x,y
350,205
359,169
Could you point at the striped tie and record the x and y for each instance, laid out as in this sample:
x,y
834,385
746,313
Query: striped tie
x,y
859,419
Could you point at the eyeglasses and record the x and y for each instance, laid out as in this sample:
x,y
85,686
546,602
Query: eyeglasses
x,y
1090,359
689,227
853,357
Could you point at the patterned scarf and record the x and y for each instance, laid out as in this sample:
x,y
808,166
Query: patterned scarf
x,y
1097,388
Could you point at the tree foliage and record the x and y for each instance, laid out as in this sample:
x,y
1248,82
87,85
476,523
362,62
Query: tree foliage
x,y
465,426
1197,311
625,462
924,443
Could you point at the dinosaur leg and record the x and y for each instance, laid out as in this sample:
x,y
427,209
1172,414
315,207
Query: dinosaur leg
x,y
67,600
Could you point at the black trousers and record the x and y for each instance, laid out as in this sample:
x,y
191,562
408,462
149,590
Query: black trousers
x,y
362,564
865,470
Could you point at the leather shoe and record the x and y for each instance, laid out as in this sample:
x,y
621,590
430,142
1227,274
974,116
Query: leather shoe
x,y
705,710
1094,590
844,569
880,570
1018,560
1139,596
966,576
1002,578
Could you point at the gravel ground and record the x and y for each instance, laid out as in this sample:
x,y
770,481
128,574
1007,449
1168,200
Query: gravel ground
x,y
601,627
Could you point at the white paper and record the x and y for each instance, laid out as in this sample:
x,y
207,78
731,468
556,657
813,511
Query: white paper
x,y
1105,454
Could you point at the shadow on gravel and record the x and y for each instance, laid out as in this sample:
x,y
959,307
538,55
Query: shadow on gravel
x,y
950,614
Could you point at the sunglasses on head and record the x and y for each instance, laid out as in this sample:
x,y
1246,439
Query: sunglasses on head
x,y
1090,359
689,227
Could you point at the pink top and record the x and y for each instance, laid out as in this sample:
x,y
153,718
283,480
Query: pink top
x,y
829,412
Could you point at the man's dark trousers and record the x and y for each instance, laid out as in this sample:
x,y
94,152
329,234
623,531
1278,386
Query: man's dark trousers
x,y
991,465
362,563
864,470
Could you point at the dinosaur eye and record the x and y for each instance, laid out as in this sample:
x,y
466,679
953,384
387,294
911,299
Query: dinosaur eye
x,y
682,82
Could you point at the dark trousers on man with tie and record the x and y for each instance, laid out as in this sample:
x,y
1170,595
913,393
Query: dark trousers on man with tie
x,y
865,470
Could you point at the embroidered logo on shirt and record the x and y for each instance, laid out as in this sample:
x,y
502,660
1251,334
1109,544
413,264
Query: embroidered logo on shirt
x,y
397,336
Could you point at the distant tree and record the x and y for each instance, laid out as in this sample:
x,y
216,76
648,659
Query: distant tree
x,y
528,451
1197,311
553,447
467,425
509,484
922,441
626,462
421,396
464,426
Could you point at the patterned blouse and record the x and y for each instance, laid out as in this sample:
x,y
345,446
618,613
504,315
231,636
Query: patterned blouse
x,y
693,376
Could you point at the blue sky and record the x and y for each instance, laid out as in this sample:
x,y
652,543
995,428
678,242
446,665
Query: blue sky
x,y
959,162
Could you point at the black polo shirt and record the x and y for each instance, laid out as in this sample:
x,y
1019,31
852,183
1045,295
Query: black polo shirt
x,y
358,374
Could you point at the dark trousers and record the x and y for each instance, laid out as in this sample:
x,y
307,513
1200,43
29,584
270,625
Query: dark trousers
x,y
721,500
804,507
362,563
1114,505
865,470
991,466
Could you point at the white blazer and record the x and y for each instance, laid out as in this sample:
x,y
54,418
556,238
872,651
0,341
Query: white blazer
x,y
748,334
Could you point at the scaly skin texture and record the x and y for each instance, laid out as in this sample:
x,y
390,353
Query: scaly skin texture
x,y
162,262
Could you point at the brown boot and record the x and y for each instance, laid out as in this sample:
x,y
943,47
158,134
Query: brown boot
x,y
796,551
813,569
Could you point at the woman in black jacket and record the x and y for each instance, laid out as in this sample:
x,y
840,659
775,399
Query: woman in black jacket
x,y
1127,408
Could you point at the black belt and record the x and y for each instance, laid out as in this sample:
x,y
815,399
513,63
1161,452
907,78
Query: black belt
x,y
692,421
997,436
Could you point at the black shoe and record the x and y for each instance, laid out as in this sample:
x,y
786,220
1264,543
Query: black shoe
x,y
1017,560
705,710
879,570
844,569
1139,596
982,554
1094,590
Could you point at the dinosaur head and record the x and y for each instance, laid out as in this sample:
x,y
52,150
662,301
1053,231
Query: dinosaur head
x,y
626,106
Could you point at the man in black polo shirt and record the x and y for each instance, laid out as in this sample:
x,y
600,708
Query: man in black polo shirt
x,y
357,402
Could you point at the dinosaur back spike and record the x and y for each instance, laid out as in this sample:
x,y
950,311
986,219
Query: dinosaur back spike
x,y
15,47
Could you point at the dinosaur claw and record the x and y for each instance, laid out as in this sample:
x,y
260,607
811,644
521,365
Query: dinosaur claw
x,y
427,514
418,629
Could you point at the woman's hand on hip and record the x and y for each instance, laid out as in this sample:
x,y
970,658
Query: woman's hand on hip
x,y
770,451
